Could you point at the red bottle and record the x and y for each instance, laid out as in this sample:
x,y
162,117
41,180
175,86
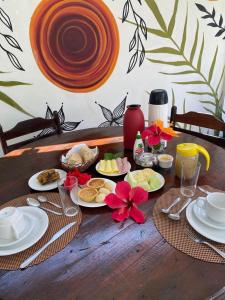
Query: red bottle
x,y
133,122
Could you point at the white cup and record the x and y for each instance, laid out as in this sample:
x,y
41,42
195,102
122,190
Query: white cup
x,y
12,223
214,206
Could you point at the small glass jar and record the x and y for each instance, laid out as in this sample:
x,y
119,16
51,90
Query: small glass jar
x,y
146,160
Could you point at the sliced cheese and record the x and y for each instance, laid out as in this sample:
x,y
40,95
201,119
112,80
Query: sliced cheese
x,y
114,165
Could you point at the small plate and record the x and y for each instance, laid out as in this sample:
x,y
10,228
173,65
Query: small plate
x,y
161,178
208,232
27,230
35,185
202,216
114,174
80,202
40,222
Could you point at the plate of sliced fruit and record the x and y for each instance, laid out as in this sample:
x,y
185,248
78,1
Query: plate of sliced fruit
x,y
94,192
148,179
113,167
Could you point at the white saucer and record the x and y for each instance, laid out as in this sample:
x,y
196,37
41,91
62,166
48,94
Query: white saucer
x,y
202,216
29,224
158,175
35,185
208,232
80,202
39,220
114,174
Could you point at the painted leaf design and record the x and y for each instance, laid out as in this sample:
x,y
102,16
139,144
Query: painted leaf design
x,y
5,19
173,18
167,50
201,8
12,41
190,82
106,113
12,83
200,55
70,126
220,32
171,63
201,93
126,9
179,73
15,62
221,21
105,124
194,47
158,32
9,101
61,115
119,121
49,113
154,8
183,43
221,79
133,42
133,62
143,28
119,110
213,65
142,57
46,131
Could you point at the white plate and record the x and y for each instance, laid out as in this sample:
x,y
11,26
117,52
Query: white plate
x,y
40,222
27,230
202,216
115,174
161,178
35,185
208,232
80,202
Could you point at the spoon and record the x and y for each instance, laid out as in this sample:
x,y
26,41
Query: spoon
x,y
35,203
44,199
167,210
176,216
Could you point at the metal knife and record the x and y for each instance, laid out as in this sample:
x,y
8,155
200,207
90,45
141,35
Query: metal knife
x,y
55,237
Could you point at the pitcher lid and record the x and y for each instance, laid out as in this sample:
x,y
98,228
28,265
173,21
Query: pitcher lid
x,y
187,149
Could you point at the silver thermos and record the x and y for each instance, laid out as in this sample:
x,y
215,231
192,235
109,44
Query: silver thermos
x,y
158,107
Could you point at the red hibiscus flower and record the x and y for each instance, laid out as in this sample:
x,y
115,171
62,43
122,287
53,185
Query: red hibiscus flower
x,y
156,132
125,201
82,178
69,182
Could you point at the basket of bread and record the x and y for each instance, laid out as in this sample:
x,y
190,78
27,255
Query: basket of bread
x,y
80,157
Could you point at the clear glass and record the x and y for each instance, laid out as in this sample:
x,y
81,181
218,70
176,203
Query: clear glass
x,y
189,178
69,207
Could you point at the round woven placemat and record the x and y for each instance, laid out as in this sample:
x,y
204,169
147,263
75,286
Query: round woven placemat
x,y
13,262
175,232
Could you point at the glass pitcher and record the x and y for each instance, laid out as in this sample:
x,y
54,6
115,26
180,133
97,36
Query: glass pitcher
x,y
187,155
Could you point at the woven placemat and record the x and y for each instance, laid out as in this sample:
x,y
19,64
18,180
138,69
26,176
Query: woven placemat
x,y
175,232
13,262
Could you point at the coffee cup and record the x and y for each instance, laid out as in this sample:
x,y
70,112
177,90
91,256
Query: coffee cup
x,y
12,223
214,206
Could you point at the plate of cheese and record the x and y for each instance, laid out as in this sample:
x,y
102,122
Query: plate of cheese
x,y
113,167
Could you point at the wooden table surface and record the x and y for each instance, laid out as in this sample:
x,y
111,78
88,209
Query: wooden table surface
x,y
108,260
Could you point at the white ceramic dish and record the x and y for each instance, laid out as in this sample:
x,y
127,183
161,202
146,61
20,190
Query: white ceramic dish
x,y
115,174
38,220
202,216
165,164
80,202
161,178
35,185
208,232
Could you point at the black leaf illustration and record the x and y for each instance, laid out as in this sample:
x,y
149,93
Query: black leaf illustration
x,y
126,9
5,19
12,41
114,118
133,42
143,28
70,126
133,62
212,17
15,62
142,57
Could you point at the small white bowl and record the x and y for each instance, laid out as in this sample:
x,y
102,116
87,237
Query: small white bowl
x,y
165,161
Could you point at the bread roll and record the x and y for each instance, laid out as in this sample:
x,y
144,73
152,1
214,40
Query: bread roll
x,y
75,159
86,154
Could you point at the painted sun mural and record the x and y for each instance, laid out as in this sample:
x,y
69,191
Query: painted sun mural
x,y
75,43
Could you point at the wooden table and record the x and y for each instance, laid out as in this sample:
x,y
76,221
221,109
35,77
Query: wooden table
x,y
108,260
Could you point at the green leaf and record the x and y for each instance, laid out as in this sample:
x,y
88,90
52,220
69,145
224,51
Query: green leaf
x,y
213,65
200,55
201,93
179,73
209,110
208,102
190,82
184,111
173,19
167,50
173,98
220,81
6,99
158,32
183,43
171,63
194,47
155,10
12,83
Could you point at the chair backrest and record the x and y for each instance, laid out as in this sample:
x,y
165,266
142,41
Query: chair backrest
x,y
27,127
199,120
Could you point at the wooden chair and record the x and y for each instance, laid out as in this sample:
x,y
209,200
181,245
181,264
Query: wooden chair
x,y
199,120
27,127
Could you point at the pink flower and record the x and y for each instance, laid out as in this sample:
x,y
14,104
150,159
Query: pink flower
x,y
125,201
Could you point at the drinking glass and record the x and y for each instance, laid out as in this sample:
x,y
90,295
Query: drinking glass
x,y
189,178
67,185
